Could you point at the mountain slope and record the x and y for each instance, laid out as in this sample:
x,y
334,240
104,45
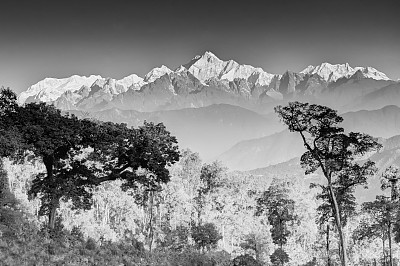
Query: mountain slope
x,y
260,152
209,130
383,122
388,95
283,146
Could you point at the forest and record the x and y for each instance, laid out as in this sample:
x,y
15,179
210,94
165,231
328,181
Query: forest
x,y
78,191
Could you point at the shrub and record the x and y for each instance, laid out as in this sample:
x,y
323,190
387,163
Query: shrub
x,y
245,260
205,236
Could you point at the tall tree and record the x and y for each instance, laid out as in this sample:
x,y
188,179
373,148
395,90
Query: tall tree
x,y
210,177
390,179
346,202
331,150
383,213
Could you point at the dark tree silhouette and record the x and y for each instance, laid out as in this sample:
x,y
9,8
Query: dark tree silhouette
x,y
330,150
80,154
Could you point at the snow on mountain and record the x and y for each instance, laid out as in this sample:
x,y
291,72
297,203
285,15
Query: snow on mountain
x,y
206,75
370,72
156,73
210,66
133,81
331,73
50,89
109,85
113,86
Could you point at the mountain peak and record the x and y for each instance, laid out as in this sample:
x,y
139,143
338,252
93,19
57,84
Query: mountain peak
x,y
370,72
207,54
332,72
208,66
210,54
49,89
156,73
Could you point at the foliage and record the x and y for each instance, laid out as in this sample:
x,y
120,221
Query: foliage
x,y
176,239
244,260
80,154
210,180
279,257
205,236
10,216
390,179
331,150
279,208
158,197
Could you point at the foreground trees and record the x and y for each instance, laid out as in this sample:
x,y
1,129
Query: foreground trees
x,y
80,154
330,150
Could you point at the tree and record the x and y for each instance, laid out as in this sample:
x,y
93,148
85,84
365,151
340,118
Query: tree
x,y
330,150
244,260
80,154
276,204
205,236
10,215
390,179
210,177
279,257
383,214
10,140
176,239
346,202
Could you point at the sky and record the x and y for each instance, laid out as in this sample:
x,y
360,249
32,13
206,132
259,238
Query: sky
x,y
40,39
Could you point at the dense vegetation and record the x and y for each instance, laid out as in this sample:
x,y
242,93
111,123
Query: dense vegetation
x,y
83,192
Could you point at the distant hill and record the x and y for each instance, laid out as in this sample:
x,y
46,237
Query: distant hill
x,y
283,146
388,95
255,153
389,155
208,130
384,122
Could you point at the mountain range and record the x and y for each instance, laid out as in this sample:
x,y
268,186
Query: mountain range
x,y
224,110
207,80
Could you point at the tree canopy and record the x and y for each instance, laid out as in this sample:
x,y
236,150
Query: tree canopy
x,y
81,153
328,148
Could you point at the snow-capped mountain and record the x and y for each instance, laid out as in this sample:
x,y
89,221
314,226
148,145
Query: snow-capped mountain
x,y
370,72
131,81
156,73
331,73
210,66
50,89
207,80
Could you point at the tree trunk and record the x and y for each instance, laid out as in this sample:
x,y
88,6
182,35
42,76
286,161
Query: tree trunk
x,y
343,256
383,249
327,246
52,213
390,245
54,198
151,233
